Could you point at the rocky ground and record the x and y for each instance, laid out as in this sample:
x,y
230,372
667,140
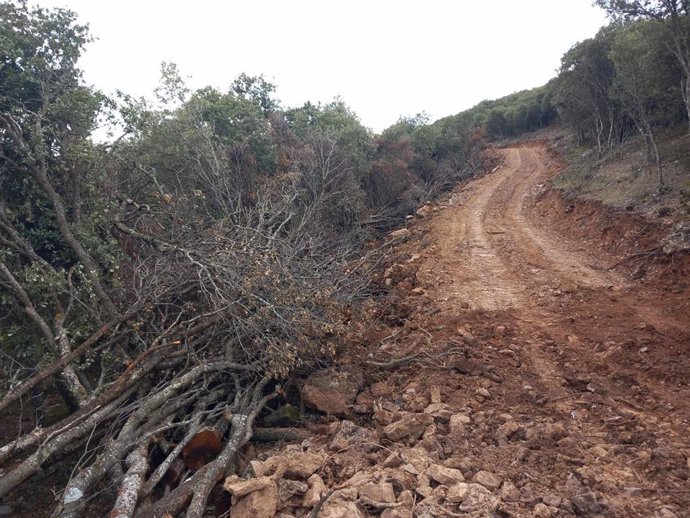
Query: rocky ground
x,y
527,357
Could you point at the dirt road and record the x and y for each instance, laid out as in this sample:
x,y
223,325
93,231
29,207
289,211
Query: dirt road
x,y
494,257
506,370
593,362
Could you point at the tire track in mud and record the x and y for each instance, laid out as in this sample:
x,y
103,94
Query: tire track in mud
x,y
496,258
526,171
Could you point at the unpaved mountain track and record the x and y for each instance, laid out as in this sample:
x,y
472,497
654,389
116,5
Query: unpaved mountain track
x,y
503,259
507,261
571,344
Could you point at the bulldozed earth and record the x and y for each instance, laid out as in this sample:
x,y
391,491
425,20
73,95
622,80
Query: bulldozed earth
x,y
522,353
526,356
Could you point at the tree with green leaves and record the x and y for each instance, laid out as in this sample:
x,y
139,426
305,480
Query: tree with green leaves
x,y
674,17
636,84
256,90
583,91
53,253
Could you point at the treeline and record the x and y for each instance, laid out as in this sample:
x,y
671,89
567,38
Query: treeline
x,y
226,145
623,82
630,79
515,114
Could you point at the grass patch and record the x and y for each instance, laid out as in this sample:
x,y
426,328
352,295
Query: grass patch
x,y
624,180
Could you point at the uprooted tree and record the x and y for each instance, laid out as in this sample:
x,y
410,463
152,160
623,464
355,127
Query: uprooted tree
x,y
159,291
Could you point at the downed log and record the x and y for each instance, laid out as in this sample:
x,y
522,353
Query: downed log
x,y
65,360
201,449
173,386
130,487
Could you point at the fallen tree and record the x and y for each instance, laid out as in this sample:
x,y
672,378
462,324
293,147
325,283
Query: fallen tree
x,y
162,327
209,327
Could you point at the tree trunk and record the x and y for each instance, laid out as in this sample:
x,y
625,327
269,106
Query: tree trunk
x,y
657,159
130,488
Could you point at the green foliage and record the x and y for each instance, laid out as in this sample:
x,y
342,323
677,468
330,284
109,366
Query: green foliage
x,y
39,50
47,174
275,199
583,90
335,120
625,80
515,114
415,160
664,25
256,90
645,72
639,9
235,120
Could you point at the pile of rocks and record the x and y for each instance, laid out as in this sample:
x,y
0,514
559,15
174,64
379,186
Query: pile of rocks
x,y
416,456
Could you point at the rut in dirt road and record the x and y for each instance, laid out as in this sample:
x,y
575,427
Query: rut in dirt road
x,y
493,257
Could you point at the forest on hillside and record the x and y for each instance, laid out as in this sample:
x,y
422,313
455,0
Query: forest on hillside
x,y
630,80
171,282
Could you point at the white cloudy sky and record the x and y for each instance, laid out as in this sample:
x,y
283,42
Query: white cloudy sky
x,y
386,58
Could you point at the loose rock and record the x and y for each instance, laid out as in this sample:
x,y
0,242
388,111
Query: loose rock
x,y
483,393
291,465
238,487
457,424
435,394
348,433
478,500
552,500
542,511
262,503
457,493
423,211
509,493
381,493
332,391
402,233
410,425
316,489
392,461
586,502
440,411
417,457
487,479
288,488
423,486
445,476
505,431
341,504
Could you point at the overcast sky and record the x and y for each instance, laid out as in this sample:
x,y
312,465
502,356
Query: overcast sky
x,y
385,58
